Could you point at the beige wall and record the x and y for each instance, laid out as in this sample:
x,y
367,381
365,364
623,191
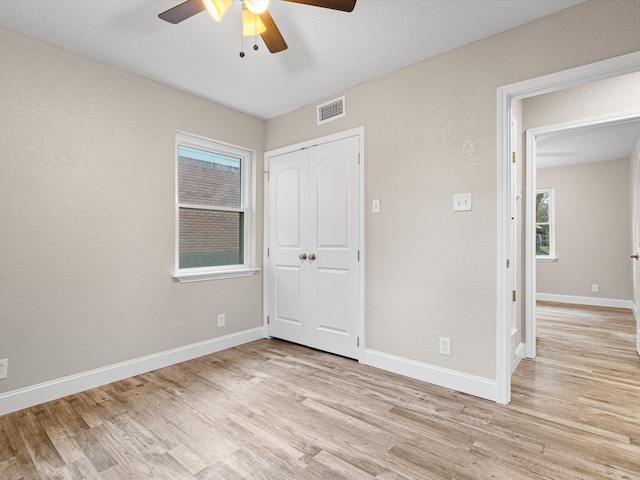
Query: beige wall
x,y
430,133
604,97
592,230
87,216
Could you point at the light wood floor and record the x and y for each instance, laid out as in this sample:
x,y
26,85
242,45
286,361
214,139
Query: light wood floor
x,y
272,410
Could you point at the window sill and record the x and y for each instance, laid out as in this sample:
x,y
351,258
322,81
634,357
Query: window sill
x,y
188,277
546,259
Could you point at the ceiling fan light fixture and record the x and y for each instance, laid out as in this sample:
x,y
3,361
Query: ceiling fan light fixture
x,y
251,23
217,8
256,18
257,6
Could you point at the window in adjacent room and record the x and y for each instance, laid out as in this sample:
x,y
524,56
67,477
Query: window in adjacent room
x,y
545,244
212,209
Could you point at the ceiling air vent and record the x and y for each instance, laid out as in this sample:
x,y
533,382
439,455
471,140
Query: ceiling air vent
x,y
331,110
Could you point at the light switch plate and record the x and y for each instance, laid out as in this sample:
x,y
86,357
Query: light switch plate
x,y
461,202
375,206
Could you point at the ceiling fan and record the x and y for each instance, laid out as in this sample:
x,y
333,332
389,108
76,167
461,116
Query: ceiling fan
x,y
255,16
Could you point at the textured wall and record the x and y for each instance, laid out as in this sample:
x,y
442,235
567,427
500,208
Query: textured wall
x,y
432,272
592,229
87,236
613,95
604,97
86,256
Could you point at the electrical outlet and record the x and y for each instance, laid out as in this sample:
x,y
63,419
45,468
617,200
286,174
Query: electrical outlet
x,y
445,346
4,365
221,320
594,288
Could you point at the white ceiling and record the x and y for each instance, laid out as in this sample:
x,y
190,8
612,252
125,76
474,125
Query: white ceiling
x,y
329,51
610,141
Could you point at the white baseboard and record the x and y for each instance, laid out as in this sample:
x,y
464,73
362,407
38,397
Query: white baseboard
x,y
471,384
519,356
44,392
593,301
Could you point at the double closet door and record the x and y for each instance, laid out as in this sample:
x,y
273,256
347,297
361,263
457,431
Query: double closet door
x,y
313,242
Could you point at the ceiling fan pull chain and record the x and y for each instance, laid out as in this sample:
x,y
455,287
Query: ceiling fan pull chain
x,y
255,37
241,45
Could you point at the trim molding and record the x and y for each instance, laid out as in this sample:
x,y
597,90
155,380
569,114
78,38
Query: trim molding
x,y
443,377
44,392
592,301
519,356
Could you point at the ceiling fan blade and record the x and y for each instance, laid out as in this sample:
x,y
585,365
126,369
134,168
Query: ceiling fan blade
x,y
182,11
272,37
342,5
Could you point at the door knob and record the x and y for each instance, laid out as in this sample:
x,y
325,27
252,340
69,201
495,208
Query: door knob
x,y
312,257
302,256
635,256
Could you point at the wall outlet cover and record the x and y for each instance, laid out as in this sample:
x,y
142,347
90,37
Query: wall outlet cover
x,y
445,346
4,365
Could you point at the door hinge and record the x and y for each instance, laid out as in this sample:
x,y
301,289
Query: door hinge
x,y
268,175
358,342
513,295
513,157
358,159
508,262
267,319
268,252
358,255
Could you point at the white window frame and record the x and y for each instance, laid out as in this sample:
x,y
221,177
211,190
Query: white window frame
x,y
551,257
247,161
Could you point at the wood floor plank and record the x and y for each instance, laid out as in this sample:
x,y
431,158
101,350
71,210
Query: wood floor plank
x,y
274,410
218,471
326,465
43,453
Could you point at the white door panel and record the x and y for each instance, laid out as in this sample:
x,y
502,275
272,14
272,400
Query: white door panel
x,y
333,300
332,201
335,193
287,300
287,207
286,232
314,211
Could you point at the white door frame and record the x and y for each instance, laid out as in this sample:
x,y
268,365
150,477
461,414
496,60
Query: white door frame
x,y
512,248
532,162
359,132
636,244
609,68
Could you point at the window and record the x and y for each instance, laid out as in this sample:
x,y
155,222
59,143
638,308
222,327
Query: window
x,y
545,244
212,209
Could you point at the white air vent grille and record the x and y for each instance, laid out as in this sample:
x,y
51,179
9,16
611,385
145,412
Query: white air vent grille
x,y
331,110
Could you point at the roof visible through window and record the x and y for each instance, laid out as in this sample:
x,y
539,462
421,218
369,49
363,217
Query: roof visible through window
x,y
207,156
